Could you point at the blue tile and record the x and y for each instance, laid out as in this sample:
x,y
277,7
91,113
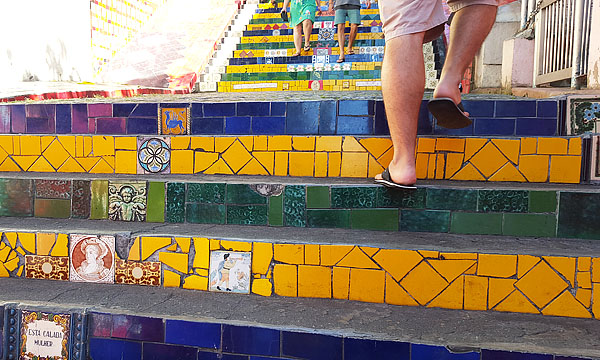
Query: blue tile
x,y
507,355
138,328
327,117
250,340
424,122
536,126
205,355
236,357
63,119
354,125
123,110
547,108
556,357
274,125
493,126
278,108
219,109
169,352
267,358
516,108
358,349
426,352
142,125
205,126
4,119
196,110
100,325
254,108
145,110
302,117
204,335
238,125
479,108
354,107
466,131
17,119
311,346
111,349
41,118
381,125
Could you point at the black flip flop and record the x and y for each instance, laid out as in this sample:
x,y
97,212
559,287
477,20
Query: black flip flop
x,y
448,114
386,180
339,61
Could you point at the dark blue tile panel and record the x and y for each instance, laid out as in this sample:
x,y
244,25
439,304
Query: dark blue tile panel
x,y
381,125
358,349
169,352
302,117
238,125
311,346
278,109
537,126
111,349
547,108
100,325
17,118
274,125
235,357
494,126
208,126
327,118
267,358
356,107
507,355
426,352
219,109
250,340
138,328
570,358
466,131
144,110
205,355
197,110
479,108
355,125
516,108
142,125
123,110
204,335
254,108
63,119
424,123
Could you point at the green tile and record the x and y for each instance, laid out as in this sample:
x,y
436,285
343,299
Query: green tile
x,y
375,219
206,213
52,208
247,214
516,201
452,199
317,197
276,210
579,215
425,220
99,206
530,225
175,202
542,201
338,218
208,193
156,202
353,197
294,205
16,197
397,198
476,223
242,194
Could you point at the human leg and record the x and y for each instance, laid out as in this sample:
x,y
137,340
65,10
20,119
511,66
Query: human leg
x,y
298,38
353,32
307,25
341,28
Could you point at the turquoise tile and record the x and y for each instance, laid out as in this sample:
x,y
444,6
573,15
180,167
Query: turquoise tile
x,y
242,194
425,220
206,213
294,205
452,199
247,214
398,198
516,201
208,193
326,218
353,197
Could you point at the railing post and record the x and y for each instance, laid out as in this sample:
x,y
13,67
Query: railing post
x,y
577,41
523,13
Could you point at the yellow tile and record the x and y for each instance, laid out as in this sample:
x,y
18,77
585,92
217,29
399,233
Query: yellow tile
x,y
329,143
24,162
357,259
525,263
351,144
203,160
171,279
332,254
11,237
215,244
451,297
499,289
4,251
71,165
596,301
528,146
472,146
497,265
431,167
426,145
247,141
236,245
376,146
134,252
172,247
56,154
314,281
179,142
151,243
41,165
30,145
3,271
374,168
566,305
476,293
201,272
596,270
321,164
88,163
508,173
584,296
45,141
79,146
584,263
103,145
303,143
341,283
301,163
6,143
87,146
222,143
3,155
311,254
541,284
370,251
260,143
262,287
367,285
354,164
450,144
236,156
125,162
552,146
565,169
451,269
488,160
45,242
458,256
13,264
454,162
335,163
262,255
422,165
285,279
395,294
289,253
575,146
280,143
516,302
397,262
195,282
182,162
564,266
129,142
266,159
534,167
61,248
16,145
281,164
202,256
439,167
102,167
423,283
584,280
178,262
203,143
510,148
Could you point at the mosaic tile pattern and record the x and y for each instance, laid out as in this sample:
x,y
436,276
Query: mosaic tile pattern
x,y
137,273
583,114
92,258
127,200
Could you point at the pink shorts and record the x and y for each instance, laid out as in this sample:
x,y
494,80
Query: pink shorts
x,y
401,17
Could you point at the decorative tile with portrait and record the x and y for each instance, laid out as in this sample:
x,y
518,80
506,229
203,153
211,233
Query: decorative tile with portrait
x,y
92,258
174,120
44,335
127,200
154,155
230,271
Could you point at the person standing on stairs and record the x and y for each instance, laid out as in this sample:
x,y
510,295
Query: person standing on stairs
x,y
407,25
351,10
302,17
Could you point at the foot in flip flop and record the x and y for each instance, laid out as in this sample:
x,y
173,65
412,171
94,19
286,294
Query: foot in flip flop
x,y
448,114
306,47
350,52
340,60
386,180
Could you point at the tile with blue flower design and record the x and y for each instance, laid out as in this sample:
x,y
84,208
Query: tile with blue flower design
x,y
583,114
154,155
230,271
174,120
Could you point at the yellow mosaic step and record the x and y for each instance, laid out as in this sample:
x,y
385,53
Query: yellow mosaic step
x,y
258,68
271,26
283,52
299,85
277,16
290,38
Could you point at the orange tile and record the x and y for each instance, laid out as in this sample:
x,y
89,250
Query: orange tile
x,y
204,160
182,162
565,169
357,259
281,163
280,143
285,279
454,162
525,263
426,145
354,164
431,167
423,283
289,253
584,280
398,262
266,159
575,146
439,167
451,269
552,146
566,305
450,144
335,164
321,164
253,167
508,173
376,146
541,284
451,297
314,281
472,146
584,296
396,295
303,143
341,283
351,144
367,285
534,167
468,173
564,266
301,163
422,165
596,270
596,301
510,148
332,254
311,254
498,290
497,265
236,156
488,160
584,263
528,146
516,302
385,159
329,143
476,291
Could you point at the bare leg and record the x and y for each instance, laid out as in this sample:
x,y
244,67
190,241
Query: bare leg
x,y
469,29
298,38
341,28
403,85
307,31
353,32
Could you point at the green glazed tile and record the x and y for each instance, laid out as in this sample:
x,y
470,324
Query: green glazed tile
x,y
579,215
294,206
247,214
397,198
242,194
516,201
99,208
542,201
175,202
476,223
339,218
208,193
353,197
530,225
276,210
425,220
317,197
205,213
16,197
375,219
52,208
452,199
156,202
